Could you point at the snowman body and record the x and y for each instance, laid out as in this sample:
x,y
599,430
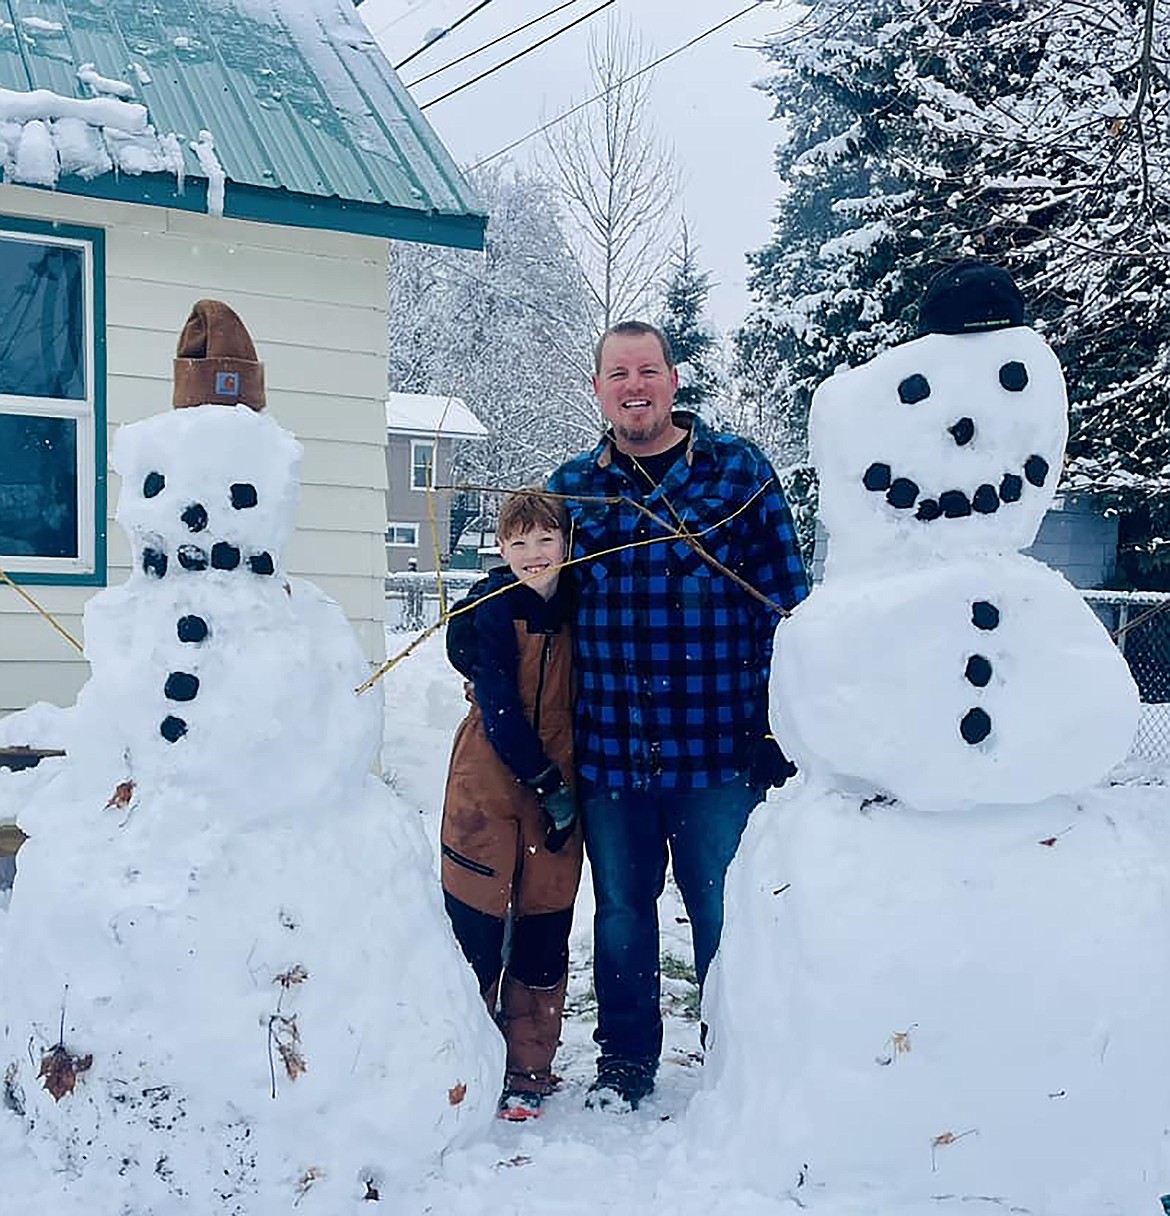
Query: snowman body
x,y
936,663
226,923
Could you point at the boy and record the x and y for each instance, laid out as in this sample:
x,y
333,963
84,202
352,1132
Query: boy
x,y
509,837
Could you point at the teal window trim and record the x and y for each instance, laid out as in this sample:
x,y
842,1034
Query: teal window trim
x,y
95,240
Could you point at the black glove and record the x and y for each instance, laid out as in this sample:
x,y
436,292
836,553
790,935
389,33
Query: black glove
x,y
769,766
558,806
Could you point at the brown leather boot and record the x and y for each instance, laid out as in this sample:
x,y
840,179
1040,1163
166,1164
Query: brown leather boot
x,y
531,1021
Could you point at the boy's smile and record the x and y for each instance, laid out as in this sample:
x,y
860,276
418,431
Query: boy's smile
x,y
535,558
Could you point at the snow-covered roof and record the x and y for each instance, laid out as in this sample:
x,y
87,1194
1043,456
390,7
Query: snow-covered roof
x,y
280,111
430,414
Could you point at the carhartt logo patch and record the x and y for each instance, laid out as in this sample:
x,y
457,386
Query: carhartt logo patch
x,y
227,384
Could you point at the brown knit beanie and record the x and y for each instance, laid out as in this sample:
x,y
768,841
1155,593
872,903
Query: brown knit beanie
x,y
216,362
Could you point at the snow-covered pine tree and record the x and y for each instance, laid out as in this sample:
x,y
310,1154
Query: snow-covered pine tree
x,y
507,330
1030,133
694,343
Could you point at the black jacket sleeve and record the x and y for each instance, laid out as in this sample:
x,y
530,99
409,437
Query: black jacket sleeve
x,y
462,647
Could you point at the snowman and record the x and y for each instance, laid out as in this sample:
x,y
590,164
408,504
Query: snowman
x,y
937,461
229,985
939,982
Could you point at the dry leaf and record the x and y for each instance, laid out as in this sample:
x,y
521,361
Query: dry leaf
x,y
120,798
304,1183
945,1138
1049,841
294,975
288,1043
457,1093
901,1041
1116,127
61,1069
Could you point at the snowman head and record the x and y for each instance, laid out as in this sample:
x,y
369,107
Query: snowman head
x,y
212,488
946,446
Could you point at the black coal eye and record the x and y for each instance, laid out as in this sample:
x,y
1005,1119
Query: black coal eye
x,y
243,495
1014,376
154,484
913,389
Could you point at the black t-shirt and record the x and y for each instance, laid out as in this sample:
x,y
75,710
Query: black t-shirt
x,y
648,471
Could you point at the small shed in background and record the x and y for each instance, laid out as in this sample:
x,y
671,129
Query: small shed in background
x,y
421,431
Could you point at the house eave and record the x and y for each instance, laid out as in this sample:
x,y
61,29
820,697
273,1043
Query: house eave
x,y
284,208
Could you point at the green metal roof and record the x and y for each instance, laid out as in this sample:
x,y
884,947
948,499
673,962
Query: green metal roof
x,y
310,123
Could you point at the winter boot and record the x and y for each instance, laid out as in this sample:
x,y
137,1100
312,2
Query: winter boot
x,y
531,1021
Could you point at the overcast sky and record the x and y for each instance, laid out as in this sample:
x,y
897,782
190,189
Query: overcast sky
x,y
703,103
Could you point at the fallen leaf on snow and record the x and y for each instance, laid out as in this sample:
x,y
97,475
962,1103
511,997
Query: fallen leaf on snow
x,y
121,796
60,1070
456,1093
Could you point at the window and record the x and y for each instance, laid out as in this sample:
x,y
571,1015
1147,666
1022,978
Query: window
x,y
52,416
402,536
422,464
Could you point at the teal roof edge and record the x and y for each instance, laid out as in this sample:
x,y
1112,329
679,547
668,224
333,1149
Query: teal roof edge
x,y
242,202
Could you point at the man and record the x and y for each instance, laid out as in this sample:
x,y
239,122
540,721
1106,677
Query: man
x,y
684,584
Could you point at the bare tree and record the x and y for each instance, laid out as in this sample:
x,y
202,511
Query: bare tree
x,y
616,180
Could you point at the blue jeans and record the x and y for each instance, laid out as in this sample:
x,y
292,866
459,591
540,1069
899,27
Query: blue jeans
x,y
627,836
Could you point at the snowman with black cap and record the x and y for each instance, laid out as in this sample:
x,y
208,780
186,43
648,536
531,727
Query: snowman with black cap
x,y
933,636
942,976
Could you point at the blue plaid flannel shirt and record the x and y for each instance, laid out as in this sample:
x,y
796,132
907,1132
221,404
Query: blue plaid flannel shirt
x,y
673,657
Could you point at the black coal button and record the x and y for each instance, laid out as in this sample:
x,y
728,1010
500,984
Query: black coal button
x,y
172,729
877,477
192,629
975,726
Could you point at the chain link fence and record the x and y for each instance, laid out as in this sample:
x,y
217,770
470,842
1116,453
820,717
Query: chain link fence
x,y
1140,624
412,596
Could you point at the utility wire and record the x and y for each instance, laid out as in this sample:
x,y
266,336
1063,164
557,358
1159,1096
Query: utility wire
x,y
454,26
494,42
678,50
519,55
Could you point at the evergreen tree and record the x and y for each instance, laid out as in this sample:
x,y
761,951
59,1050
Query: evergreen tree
x,y
695,346
1030,133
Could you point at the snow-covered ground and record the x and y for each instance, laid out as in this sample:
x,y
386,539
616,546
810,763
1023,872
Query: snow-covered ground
x,y
571,1160
669,1158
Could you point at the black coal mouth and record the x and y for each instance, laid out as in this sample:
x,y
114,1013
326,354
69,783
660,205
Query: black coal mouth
x,y
905,495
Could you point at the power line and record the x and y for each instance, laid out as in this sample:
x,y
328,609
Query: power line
x,y
454,26
494,42
519,55
678,50
409,11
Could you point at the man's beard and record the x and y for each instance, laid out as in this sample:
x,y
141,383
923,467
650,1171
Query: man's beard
x,y
643,432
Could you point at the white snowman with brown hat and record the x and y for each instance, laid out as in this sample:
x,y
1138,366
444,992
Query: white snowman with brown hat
x,y
228,980
937,663
208,500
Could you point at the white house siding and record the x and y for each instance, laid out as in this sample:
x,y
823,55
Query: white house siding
x,y
315,304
